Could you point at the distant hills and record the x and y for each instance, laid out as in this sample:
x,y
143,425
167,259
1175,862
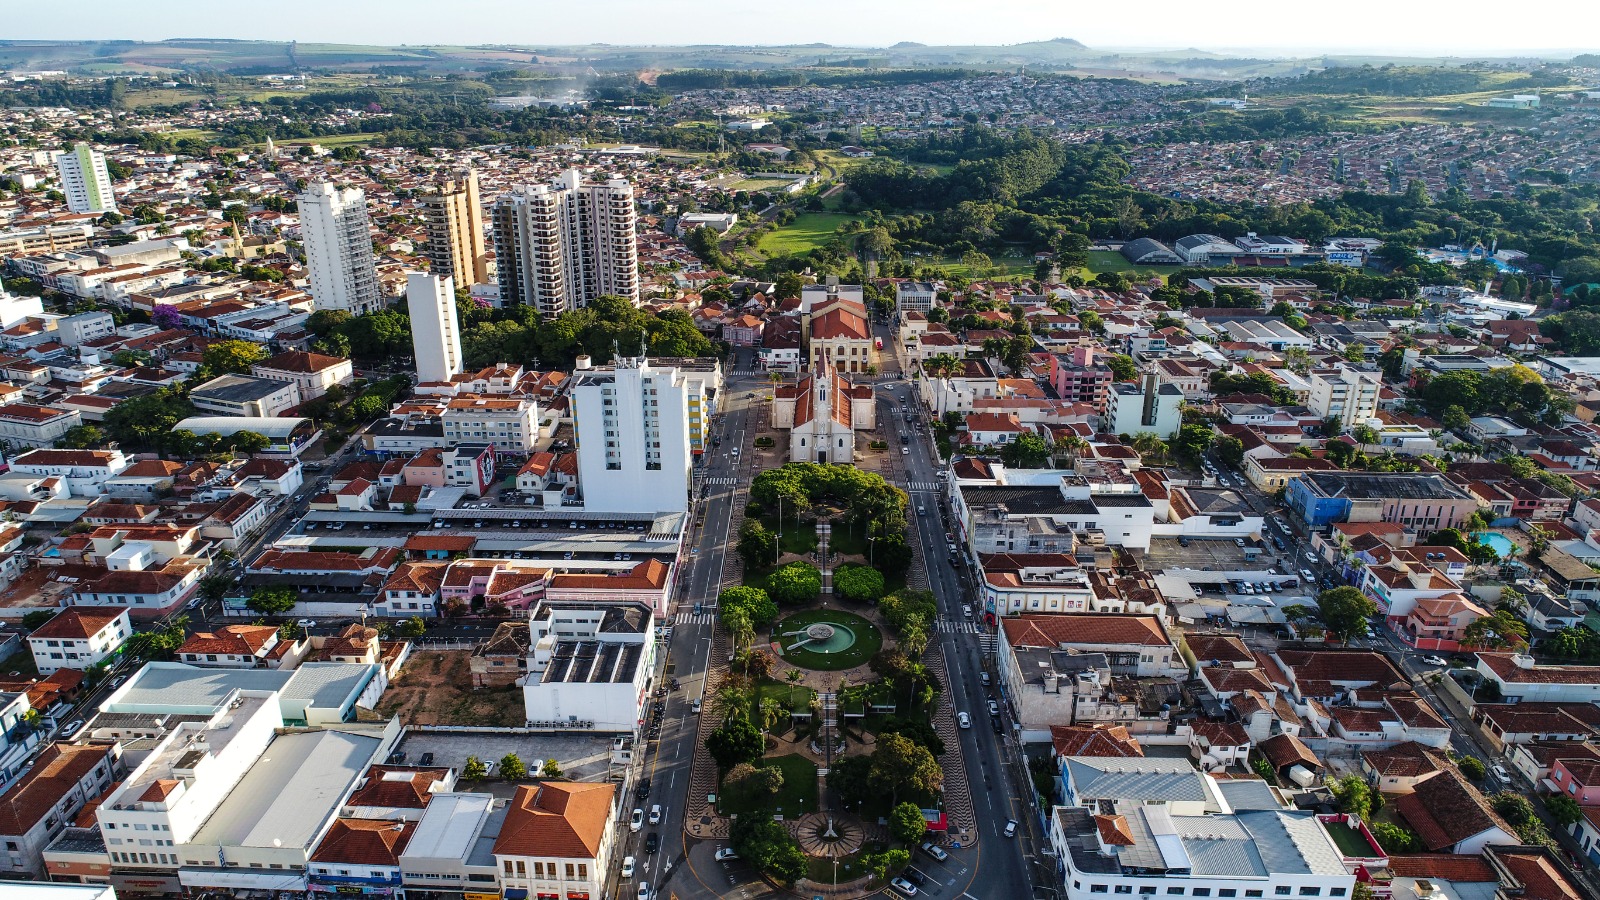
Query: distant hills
x,y
260,57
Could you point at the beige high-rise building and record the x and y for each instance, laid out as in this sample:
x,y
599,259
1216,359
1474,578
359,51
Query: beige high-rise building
x,y
454,219
560,245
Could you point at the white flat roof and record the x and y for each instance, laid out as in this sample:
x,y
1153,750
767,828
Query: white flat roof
x,y
291,791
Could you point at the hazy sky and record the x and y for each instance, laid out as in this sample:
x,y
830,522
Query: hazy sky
x,y
1425,26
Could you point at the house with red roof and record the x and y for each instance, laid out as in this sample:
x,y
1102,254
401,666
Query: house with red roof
x,y
556,840
79,638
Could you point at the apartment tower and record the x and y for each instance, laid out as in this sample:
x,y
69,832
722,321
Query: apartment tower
x,y
435,332
338,248
85,180
454,219
633,437
559,246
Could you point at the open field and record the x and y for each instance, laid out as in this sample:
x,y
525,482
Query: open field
x,y
435,688
1109,261
807,232
760,184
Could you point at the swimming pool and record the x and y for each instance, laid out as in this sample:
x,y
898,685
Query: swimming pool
x,y
1499,543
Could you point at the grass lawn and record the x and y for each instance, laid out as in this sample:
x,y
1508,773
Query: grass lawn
x,y
794,697
797,797
760,184
822,869
868,640
797,537
807,232
1109,261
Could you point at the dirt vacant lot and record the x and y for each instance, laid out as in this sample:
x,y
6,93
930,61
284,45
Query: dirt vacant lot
x,y
435,688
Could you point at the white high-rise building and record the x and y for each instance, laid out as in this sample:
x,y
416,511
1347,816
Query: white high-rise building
x,y
85,180
338,247
633,437
435,332
1349,396
560,245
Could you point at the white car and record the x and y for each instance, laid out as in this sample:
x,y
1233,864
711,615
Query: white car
x,y
644,890
1436,661
905,451
306,623
904,887
1501,773
655,814
935,851
964,720
636,821
725,854
627,867
1011,828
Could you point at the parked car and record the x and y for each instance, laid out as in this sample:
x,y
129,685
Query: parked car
x,y
72,728
983,678
964,720
935,851
726,854
994,708
903,887
1436,661
643,789
306,623
627,867
636,821
1011,828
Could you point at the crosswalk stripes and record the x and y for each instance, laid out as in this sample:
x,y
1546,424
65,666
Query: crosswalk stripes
x,y
689,618
721,481
952,627
923,486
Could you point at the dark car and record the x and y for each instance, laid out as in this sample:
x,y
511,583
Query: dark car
x,y
915,877
643,790
652,842
998,728
426,760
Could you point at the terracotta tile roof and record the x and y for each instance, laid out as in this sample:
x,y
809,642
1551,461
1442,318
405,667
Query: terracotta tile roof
x,y
1114,830
1444,810
1287,750
1094,740
1508,671
365,842
241,640
648,575
398,787
58,768
1541,718
1315,671
1541,878
839,323
151,468
1405,760
76,623
1053,631
560,819
1222,734
301,361
159,790
1443,866
450,543
1224,680
1227,648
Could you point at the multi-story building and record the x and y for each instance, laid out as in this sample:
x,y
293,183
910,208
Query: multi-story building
x,y
245,395
633,438
1054,518
509,423
453,216
914,296
435,329
338,249
43,802
17,738
559,246
1346,395
1421,502
312,373
1078,379
1145,407
589,662
556,840
27,425
1144,846
78,639
85,180
843,335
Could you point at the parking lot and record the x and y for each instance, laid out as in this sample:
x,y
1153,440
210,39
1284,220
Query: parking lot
x,y
582,757
1218,555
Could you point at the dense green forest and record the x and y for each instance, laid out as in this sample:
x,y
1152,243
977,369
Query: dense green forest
x,y
1023,191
